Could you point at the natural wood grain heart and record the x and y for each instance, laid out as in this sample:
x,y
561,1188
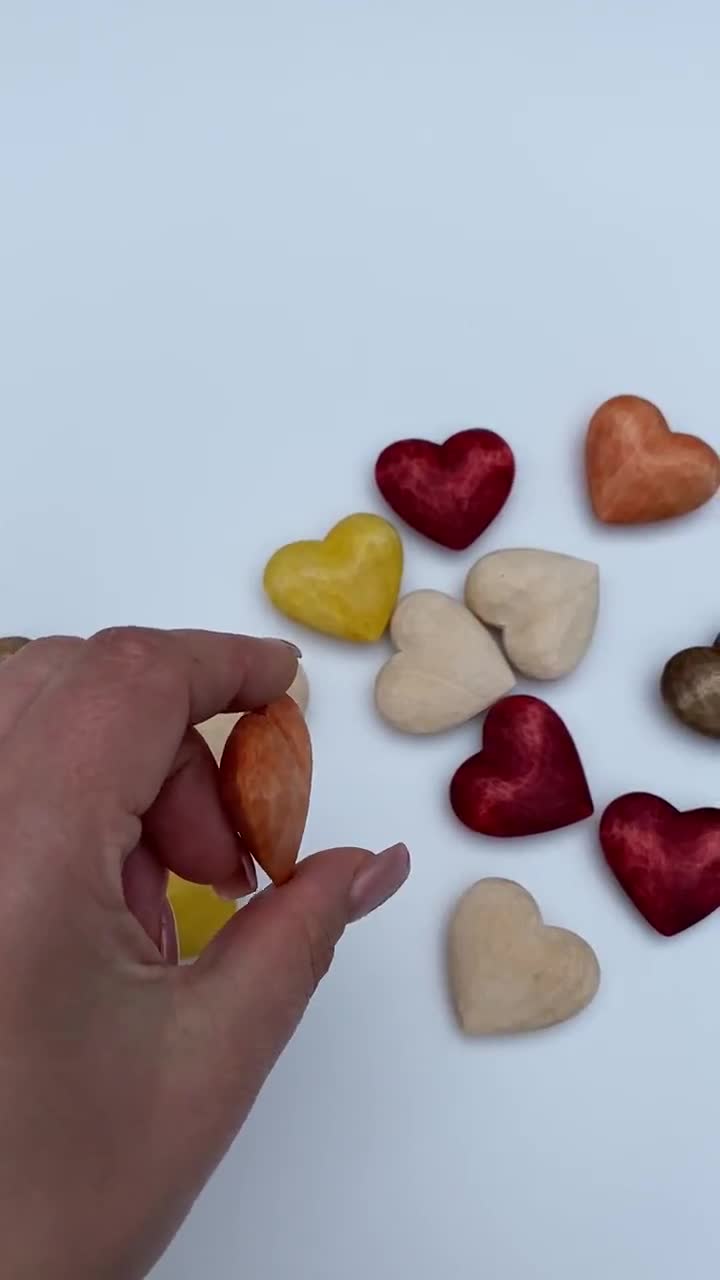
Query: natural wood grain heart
x,y
667,862
690,685
265,778
639,470
347,585
448,669
527,779
508,971
545,603
449,492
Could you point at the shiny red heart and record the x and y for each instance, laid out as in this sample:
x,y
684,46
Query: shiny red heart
x,y
667,862
449,492
528,778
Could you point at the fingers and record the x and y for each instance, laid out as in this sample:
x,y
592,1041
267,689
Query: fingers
x,y
27,672
106,731
251,986
186,826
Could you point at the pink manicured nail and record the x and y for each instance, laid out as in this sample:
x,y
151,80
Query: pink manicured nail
x,y
243,883
379,880
168,934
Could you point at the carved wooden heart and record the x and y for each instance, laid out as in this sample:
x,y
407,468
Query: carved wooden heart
x,y
509,971
447,670
545,603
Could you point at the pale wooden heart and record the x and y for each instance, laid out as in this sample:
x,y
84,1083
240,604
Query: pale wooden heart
x,y
448,669
216,730
509,971
545,603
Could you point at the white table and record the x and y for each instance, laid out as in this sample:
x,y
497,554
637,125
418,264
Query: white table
x,y
245,245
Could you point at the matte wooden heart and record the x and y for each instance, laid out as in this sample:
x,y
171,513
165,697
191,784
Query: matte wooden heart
x,y
448,669
510,972
527,779
639,470
545,603
347,585
667,862
265,778
690,685
449,492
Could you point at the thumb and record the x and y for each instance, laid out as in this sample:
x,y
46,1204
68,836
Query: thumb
x,y
253,983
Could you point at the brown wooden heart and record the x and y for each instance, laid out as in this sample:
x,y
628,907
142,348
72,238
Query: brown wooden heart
x,y
690,685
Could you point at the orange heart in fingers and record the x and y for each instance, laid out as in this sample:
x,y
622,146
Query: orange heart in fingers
x,y
639,470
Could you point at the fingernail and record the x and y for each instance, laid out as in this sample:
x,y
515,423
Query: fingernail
x,y
168,934
288,644
243,883
379,881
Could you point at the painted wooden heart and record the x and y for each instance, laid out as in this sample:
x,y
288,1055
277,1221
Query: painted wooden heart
x,y
690,685
527,779
265,779
668,862
449,492
447,670
508,971
347,585
545,603
639,470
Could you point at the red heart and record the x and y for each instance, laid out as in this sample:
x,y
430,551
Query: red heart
x,y
528,778
667,862
451,491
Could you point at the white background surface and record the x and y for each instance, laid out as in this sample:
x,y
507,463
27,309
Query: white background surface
x,y
243,247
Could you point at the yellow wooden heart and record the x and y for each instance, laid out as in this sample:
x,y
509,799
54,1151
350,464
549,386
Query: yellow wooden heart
x,y
199,914
346,585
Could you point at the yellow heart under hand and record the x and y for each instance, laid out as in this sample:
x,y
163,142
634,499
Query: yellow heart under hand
x,y
347,585
199,913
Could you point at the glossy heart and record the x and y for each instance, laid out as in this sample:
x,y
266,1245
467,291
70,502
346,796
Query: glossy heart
x,y
447,670
265,779
527,779
667,862
690,685
449,492
546,605
510,972
639,470
347,585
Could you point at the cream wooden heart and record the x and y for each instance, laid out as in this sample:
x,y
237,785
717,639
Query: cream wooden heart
x,y
216,730
545,603
448,669
509,971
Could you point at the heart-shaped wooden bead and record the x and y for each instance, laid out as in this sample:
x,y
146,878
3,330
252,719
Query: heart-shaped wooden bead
x,y
216,730
527,779
667,862
545,603
447,670
690,685
347,585
265,778
508,971
449,492
639,470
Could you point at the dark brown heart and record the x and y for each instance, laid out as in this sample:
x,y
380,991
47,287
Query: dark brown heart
x,y
690,685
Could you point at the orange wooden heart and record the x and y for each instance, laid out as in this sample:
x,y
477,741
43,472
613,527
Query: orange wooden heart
x,y
639,470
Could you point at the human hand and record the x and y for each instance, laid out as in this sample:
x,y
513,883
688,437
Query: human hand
x,y
123,1077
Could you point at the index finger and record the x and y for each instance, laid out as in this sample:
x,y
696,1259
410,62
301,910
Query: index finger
x,y
107,730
